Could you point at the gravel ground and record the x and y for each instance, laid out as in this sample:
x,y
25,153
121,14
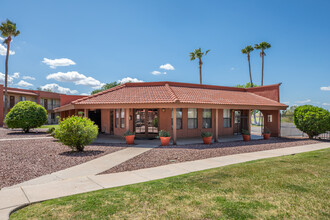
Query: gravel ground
x,y
22,160
176,154
18,133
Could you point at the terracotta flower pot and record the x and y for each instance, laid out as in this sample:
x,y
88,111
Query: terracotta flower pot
x,y
266,136
246,137
207,140
130,139
165,140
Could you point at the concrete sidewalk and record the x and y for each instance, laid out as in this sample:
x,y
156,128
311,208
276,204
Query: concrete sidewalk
x,y
88,168
13,198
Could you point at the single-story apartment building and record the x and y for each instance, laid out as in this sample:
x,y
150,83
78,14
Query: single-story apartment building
x,y
183,109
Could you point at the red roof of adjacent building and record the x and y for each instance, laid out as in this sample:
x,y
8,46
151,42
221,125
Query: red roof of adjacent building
x,y
174,92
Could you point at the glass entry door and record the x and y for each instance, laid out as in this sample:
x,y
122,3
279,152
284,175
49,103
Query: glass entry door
x,y
146,121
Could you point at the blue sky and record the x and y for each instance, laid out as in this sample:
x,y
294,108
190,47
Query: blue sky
x,y
111,40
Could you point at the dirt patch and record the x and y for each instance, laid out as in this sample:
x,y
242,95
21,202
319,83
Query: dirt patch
x,y
18,133
176,154
22,160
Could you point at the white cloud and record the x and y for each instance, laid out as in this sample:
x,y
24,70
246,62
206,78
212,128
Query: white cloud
x,y
156,72
3,51
76,78
23,83
2,79
327,104
15,75
129,79
84,94
286,103
29,78
304,101
164,73
232,69
325,88
2,39
56,88
58,62
167,67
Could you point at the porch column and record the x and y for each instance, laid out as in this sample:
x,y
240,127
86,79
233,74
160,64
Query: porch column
x,y
86,113
216,125
127,119
174,126
249,120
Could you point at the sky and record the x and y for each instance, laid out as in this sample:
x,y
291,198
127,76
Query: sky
x,y
76,46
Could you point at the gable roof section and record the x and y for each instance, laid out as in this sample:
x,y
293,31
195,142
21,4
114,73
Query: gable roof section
x,y
174,92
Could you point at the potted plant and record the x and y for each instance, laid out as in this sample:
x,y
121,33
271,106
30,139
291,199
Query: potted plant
x,y
246,135
164,137
207,137
266,133
129,136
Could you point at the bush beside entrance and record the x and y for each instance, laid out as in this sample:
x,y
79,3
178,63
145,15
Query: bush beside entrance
x,y
76,132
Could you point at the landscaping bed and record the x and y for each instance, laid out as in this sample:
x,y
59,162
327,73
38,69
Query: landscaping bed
x,y
22,160
18,133
181,153
288,187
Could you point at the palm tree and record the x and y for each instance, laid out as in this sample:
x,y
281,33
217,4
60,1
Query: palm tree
x,y
262,46
247,50
8,30
198,54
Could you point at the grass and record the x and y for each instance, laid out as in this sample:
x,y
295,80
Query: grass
x,y
295,186
49,126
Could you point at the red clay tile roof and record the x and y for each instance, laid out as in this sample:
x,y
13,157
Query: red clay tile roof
x,y
173,92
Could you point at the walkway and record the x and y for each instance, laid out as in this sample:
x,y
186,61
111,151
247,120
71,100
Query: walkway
x,y
13,198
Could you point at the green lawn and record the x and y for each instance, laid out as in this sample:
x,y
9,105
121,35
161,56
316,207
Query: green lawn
x,y
49,126
295,186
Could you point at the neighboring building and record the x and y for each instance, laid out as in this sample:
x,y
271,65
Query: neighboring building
x,y
183,109
49,100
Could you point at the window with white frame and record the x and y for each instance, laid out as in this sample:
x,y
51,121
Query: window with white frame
x,y
117,118
207,118
226,118
192,118
178,118
122,118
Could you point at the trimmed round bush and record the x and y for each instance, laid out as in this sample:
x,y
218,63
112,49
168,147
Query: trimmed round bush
x,y
26,115
76,132
311,120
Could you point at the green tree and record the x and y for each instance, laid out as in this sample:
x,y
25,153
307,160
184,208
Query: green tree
x,y
262,46
105,87
26,115
247,50
312,120
76,132
8,30
198,54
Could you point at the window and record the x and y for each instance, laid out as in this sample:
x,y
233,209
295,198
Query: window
x,y
122,118
207,118
52,116
22,98
192,118
117,118
226,118
178,118
42,102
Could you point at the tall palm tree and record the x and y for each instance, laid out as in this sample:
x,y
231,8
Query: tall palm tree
x,y
247,50
8,30
262,46
198,54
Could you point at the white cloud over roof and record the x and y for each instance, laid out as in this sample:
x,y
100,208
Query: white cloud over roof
x,y
325,88
2,79
53,63
29,78
167,67
59,89
129,79
3,51
23,83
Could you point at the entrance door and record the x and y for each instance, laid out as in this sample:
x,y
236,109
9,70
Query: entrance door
x,y
111,122
95,116
237,122
12,101
146,122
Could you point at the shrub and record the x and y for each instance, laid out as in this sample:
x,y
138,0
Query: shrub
x,y
206,134
26,115
311,120
163,133
128,133
76,132
245,132
266,131
51,131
